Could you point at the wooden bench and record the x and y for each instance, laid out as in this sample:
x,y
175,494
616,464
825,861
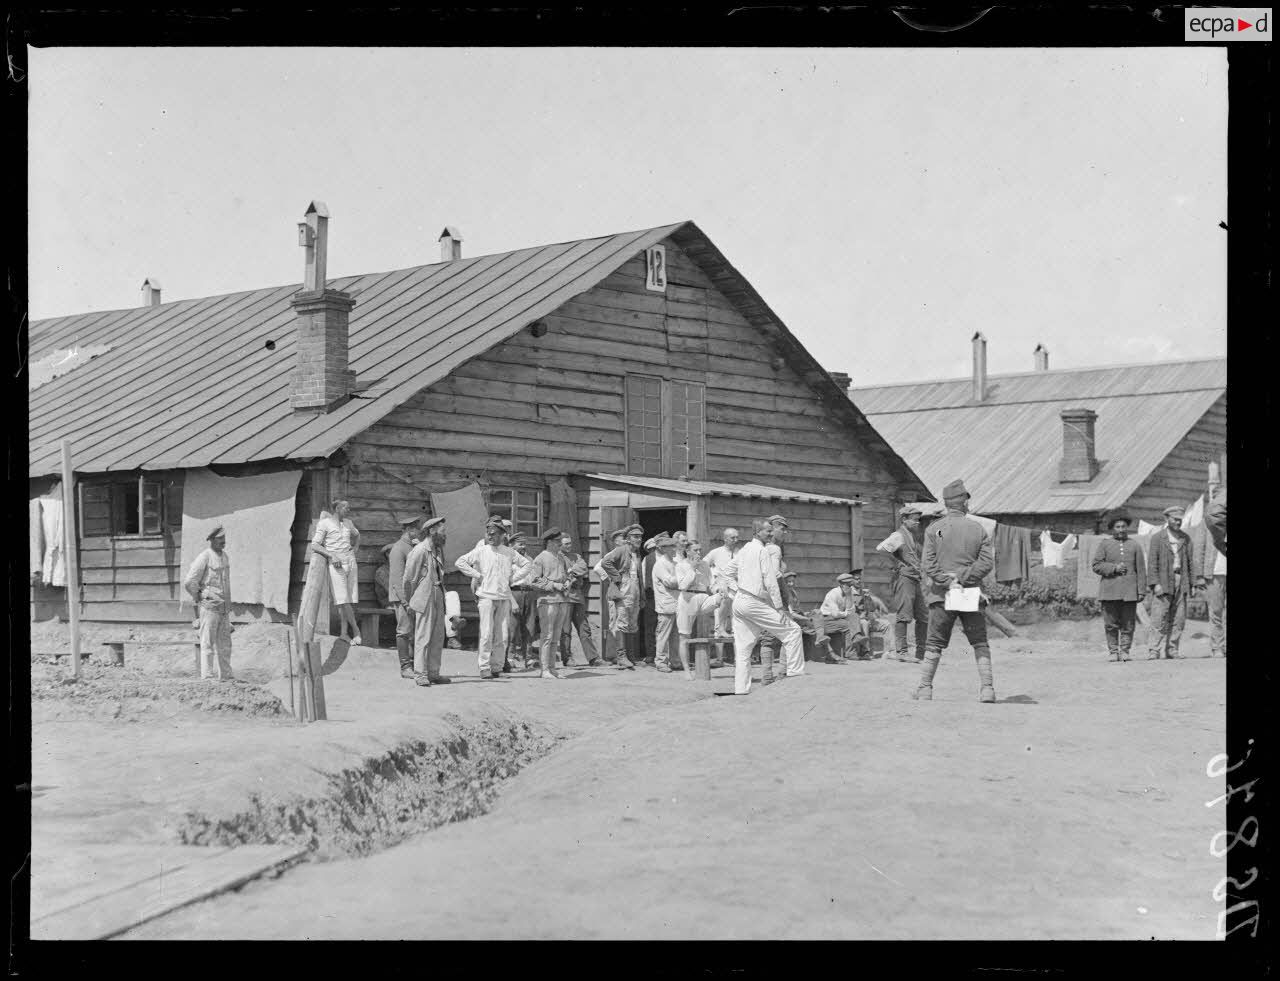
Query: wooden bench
x,y
370,620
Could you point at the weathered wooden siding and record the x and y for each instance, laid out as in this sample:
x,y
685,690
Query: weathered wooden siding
x,y
1183,475
532,409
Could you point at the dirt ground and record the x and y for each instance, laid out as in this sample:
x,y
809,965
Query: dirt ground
x,y
826,806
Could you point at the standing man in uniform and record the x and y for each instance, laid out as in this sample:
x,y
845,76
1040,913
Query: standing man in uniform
x,y
208,582
1169,578
397,559
1123,574
490,566
957,553
622,568
665,591
716,560
521,634
758,607
908,602
616,540
423,583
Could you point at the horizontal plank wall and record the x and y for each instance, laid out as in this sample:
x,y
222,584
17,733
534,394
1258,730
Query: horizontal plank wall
x,y
533,409
1183,475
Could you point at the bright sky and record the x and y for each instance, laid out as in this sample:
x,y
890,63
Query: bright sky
x,y
885,203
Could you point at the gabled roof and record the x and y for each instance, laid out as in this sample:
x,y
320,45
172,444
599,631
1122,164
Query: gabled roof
x,y
192,383
1007,448
709,488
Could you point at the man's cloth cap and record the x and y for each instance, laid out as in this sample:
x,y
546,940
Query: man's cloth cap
x,y
216,533
844,577
955,491
408,519
432,522
777,519
550,533
662,540
907,509
1118,515
1174,512
517,538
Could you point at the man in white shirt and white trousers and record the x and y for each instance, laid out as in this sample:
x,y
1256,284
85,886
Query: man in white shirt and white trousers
x,y
490,566
757,607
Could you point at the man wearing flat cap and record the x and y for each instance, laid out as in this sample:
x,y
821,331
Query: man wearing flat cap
x,y
1122,572
550,584
622,567
908,602
779,529
522,638
490,566
208,582
1169,579
758,607
957,554
666,592
423,584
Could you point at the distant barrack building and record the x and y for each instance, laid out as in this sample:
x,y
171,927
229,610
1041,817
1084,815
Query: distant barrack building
x,y
1059,448
640,367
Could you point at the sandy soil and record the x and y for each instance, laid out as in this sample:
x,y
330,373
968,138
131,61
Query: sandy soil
x,y
826,806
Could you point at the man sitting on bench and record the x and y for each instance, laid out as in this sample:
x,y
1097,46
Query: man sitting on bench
x,y
696,604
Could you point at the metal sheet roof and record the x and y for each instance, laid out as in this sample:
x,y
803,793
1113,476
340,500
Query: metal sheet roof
x,y
707,488
1007,448
191,383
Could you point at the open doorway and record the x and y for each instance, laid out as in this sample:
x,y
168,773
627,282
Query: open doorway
x,y
654,521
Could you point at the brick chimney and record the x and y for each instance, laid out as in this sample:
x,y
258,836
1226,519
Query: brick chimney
x,y
450,244
320,379
979,367
842,379
1078,464
150,292
1042,358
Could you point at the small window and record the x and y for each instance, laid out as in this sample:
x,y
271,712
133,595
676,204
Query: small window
x,y
666,427
129,506
523,508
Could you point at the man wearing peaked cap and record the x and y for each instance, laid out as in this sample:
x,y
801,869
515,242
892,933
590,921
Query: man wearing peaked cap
x,y
758,607
907,598
622,569
957,554
521,634
1169,580
490,566
665,595
208,582
397,558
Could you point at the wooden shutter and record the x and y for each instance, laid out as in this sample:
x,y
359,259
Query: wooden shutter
x,y
644,425
686,430
95,510
151,507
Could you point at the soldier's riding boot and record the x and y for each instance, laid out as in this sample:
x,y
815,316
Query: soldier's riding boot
x,y
922,637
901,651
982,654
1126,642
404,650
924,691
1113,643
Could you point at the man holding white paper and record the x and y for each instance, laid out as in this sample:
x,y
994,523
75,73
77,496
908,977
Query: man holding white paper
x,y
957,557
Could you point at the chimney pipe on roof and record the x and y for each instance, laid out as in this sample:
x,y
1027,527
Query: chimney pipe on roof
x,y
320,378
1079,464
1042,358
150,292
842,379
979,367
450,244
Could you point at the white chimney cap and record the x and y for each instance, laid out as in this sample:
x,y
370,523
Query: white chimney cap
x,y
152,282
451,231
319,208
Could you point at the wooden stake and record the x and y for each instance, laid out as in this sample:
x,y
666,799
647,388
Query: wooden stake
x,y
69,543
317,680
288,658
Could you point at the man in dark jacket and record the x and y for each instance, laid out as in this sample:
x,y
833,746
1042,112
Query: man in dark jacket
x,y
1169,577
397,558
1123,573
908,601
957,553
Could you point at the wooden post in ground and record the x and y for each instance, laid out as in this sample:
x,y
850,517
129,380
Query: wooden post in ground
x,y
288,662
316,663
305,713
71,557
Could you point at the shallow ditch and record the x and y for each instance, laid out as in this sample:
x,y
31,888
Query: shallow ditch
x,y
415,787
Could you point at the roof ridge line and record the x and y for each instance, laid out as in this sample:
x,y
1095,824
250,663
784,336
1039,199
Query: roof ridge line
x,y
966,379
1073,398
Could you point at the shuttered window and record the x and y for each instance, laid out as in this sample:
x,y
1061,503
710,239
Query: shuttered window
x,y
666,427
644,425
129,506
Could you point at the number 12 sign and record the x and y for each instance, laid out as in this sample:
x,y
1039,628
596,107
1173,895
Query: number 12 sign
x,y
656,268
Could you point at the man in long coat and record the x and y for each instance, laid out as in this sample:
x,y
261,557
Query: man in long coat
x,y
622,567
423,583
1123,573
1169,577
